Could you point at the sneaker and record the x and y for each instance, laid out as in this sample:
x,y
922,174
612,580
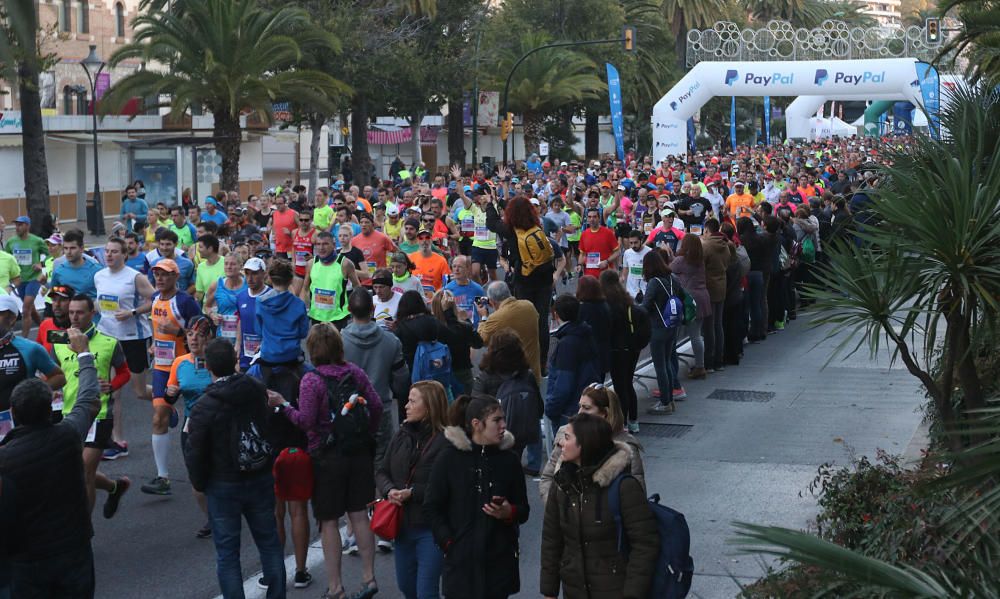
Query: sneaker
x,y
720,368
174,418
384,546
114,497
633,426
680,394
350,544
302,579
205,532
697,373
117,450
780,325
261,584
662,408
157,486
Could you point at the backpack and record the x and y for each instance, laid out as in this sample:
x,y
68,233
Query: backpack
x,y
808,250
672,313
674,566
432,362
639,329
534,248
285,381
350,434
521,401
251,452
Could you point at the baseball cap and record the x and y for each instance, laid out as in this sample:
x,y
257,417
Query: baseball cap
x,y
423,233
535,202
54,239
667,212
256,238
168,265
23,219
62,291
255,264
9,303
563,164
392,210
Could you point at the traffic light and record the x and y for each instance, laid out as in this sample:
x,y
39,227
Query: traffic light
x,y
628,39
933,25
507,126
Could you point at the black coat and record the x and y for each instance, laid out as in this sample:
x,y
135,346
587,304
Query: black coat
x,y
598,316
415,447
481,552
208,453
421,327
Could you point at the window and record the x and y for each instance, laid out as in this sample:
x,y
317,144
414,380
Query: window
x,y
83,19
119,20
67,100
65,16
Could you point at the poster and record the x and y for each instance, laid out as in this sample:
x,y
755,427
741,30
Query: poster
x,y
160,178
47,92
103,85
543,148
615,98
489,108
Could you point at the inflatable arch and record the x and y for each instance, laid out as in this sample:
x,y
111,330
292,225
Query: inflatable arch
x,y
881,79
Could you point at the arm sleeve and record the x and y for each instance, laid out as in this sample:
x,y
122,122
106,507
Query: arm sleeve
x,y
87,398
122,374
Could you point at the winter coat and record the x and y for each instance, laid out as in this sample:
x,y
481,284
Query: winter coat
x,y
575,364
283,324
519,316
719,254
463,339
635,467
598,316
209,452
481,552
415,447
422,327
692,278
580,538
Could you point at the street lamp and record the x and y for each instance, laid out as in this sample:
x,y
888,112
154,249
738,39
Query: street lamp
x,y
92,65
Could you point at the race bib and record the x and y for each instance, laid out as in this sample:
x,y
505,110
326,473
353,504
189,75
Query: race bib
x,y
323,299
428,292
163,353
6,423
468,225
92,432
593,259
372,267
23,257
695,230
482,233
635,270
108,303
229,325
301,258
647,227
251,344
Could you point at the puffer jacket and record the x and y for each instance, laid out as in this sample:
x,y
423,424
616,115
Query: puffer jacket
x,y
481,552
414,448
633,467
580,539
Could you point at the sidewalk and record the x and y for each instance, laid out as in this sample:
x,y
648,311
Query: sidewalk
x,y
719,460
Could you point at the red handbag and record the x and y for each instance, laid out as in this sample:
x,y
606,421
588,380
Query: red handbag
x,y
387,517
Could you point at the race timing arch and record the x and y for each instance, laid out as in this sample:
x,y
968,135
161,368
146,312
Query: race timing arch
x,y
856,79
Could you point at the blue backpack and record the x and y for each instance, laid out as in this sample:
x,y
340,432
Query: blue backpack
x,y
672,313
432,362
674,566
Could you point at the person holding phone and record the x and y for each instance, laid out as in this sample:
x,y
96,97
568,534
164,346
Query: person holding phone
x,y
475,500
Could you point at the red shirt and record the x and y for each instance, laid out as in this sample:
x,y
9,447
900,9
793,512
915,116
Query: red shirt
x,y
597,245
284,220
43,332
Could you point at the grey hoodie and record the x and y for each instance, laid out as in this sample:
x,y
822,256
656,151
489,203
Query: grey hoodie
x,y
380,355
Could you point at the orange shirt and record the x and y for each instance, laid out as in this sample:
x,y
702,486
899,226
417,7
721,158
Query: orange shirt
x,y
374,247
284,220
430,271
740,205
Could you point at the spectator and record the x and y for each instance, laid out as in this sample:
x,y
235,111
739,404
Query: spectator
x,y
516,315
628,322
719,253
575,361
594,311
660,288
689,268
464,339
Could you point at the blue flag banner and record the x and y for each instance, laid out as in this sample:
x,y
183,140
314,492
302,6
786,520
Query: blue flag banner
x,y
930,91
732,123
615,96
902,118
767,120
691,135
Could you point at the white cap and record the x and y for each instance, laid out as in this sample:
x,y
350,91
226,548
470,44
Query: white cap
x,y
9,303
392,210
255,264
535,202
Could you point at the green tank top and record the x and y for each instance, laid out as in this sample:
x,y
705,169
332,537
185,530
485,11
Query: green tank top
x,y
328,290
576,221
103,349
482,237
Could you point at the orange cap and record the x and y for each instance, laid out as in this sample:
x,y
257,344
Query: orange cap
x,y
168,265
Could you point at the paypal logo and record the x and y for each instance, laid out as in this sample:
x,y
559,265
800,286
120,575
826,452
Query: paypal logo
x,y
857,79
673,106
731,76
685,96
821,76
768,80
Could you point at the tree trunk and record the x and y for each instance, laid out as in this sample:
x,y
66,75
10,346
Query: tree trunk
x,y
361,161
316,123
35,167
227,129
591,135
533,127
680,41
456,133
415,120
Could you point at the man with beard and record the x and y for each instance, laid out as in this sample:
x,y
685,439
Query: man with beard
x,y
59,321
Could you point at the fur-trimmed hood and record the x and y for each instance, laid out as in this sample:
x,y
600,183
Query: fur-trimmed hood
x,y
616,462
457,437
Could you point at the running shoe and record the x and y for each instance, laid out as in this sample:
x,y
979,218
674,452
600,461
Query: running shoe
x,y
383,545
157,486
680,394
302,579
655,393
115,496
261,584
697,373
117,450
780,325
633,426
350,544
662,408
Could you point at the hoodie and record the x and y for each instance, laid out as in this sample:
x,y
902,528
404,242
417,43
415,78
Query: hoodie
x,y
209,453
575,363
380,354
283,324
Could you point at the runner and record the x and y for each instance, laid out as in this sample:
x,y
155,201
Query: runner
x,y
211,267
186,233
374,245
631,274
325,287
28,250
598,246
484,242
77,270
302,244
429,266
281,225
166,248
221,299
59,297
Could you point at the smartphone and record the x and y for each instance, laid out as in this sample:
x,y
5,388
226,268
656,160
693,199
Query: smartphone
x,y
481,300
61,337
497,501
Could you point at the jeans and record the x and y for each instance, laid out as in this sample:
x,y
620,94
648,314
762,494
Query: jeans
x,y
67,575
755,302
662,347
541,298
711,330
253,500
693,331
623,364
418,563
533,459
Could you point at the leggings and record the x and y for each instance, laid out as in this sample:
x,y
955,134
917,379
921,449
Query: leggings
x,y
623,364
541,298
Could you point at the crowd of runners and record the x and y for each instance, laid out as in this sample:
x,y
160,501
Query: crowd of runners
x,y
427,340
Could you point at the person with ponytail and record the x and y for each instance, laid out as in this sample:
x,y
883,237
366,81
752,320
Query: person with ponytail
x,y
475,500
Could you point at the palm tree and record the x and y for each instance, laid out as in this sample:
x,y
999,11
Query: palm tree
x,y
686,14
978,38
546,81
229,56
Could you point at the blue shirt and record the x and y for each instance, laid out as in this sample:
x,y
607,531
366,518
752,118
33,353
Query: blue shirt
x,y
21,358
246,308
465,298
192,379
138,207
186,278
80,278
218,218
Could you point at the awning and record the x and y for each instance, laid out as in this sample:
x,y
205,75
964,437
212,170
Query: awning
x,y
389,135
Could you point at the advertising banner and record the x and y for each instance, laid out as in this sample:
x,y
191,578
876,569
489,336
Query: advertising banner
x,y
767,119
615,97
732,123
930,91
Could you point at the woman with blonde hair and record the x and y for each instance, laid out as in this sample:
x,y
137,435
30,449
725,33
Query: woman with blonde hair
x,y
402,479
597,400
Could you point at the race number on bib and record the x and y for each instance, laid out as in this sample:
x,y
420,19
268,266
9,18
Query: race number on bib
x,y
251,344
108,303
323,299
301,258
163,353
23,257
229,325
482,233
593,259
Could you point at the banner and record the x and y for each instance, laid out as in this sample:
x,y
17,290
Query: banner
x,y
615,96
489,109
930,91
282,112
767,120
902,118
732,123
691,135
102,85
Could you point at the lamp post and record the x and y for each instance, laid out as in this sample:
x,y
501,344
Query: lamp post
x,y
92,66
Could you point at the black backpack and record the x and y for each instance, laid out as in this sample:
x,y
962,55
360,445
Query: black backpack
x,y
350,434
285,381
521,401
639,330
251,452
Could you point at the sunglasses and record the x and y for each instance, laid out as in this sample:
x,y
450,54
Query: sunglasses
x,y
305,220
